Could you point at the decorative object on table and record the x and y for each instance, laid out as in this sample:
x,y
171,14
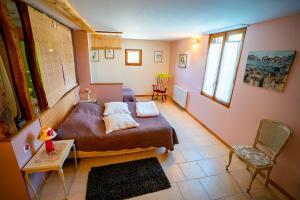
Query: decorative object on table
x,y
109,54
46,135
158,56
88,93
126,180
160,87
268,69
94,55
182,62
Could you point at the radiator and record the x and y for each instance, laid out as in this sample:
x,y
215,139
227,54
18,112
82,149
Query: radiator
x,y
180,95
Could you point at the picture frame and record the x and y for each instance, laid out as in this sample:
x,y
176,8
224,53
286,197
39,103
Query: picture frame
x,y
94,55
182,61
109,54
158,56
268,69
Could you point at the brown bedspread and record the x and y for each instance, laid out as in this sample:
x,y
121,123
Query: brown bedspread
x,y
86,126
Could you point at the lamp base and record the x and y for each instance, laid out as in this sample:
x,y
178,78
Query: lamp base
x,y
49,146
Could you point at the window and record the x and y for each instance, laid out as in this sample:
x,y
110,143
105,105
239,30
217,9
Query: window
x,y
133,57
221,65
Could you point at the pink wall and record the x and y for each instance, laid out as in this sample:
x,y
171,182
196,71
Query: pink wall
x,y
238,124
104,92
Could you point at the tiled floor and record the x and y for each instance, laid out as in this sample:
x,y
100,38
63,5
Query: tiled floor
x,y
196,168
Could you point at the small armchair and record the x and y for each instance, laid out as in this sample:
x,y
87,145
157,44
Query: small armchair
x,y
271,137
160,88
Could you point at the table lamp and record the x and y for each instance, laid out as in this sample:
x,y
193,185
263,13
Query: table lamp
x,y
88,93
46,135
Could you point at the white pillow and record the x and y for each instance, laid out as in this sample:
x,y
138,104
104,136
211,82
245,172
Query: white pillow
x,y
117,122
116,108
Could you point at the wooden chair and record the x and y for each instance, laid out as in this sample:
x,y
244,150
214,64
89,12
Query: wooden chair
x,y
160,88
271,137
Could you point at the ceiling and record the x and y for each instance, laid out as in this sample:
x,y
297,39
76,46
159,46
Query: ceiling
x,y
176,19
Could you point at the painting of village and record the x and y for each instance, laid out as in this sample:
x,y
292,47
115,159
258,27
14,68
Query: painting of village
x,y
268,69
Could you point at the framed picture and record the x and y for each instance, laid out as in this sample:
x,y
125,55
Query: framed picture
x,y
109,54
268,69
158,56
94,55
182,60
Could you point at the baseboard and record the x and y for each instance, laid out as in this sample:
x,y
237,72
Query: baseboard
x,y
143,95
271,182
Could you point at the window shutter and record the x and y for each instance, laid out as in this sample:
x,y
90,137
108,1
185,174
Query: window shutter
x,y
66,56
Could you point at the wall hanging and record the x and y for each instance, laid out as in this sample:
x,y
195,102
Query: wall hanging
x,y
109,54
268,69
94,55
182,60
158,56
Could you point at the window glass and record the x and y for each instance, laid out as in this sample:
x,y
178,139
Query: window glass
x,y
9,109
211,71
228,67
222,60
133,57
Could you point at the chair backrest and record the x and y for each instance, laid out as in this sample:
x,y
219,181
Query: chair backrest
x,y
273,135
162,81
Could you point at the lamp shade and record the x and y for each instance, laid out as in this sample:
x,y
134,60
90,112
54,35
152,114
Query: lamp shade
x,y
47,133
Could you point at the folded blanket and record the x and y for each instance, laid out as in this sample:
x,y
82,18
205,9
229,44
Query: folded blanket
x,y
146,109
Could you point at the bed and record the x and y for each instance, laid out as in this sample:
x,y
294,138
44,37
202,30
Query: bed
x,y
86,126
128,95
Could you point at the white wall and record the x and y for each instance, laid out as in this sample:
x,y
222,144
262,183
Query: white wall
x,y
138,78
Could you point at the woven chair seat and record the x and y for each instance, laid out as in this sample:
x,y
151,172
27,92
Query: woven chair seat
x,y
252,155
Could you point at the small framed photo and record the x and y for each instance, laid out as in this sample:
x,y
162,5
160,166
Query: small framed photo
x,y
158,56
109,54
182,60
94,55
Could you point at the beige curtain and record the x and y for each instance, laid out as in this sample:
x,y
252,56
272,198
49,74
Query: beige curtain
x,y
55,55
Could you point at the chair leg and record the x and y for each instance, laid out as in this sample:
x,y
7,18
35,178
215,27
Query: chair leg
x,y
268,177
230,158
153,96
251,181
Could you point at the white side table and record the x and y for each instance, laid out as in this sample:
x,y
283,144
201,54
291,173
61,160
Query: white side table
x,y
91,100
42,162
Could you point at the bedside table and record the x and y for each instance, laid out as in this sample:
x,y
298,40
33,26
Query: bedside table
x,y
91,100
42,162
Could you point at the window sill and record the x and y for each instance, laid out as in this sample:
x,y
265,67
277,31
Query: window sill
x,y
227,105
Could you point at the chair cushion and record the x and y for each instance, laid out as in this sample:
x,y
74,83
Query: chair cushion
x,y
252,155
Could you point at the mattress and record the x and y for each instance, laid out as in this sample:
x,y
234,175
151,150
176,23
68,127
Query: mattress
x,y
86,126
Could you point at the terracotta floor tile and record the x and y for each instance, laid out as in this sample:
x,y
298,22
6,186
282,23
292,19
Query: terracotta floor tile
x,y
192,190
191,170
221,185
174,173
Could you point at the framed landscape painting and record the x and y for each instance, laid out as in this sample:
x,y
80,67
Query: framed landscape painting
x,y
268,69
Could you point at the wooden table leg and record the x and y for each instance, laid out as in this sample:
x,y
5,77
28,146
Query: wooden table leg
x,y
75,155
27,178
62,177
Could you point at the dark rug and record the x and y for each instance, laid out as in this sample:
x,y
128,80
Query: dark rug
x,y
126,180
